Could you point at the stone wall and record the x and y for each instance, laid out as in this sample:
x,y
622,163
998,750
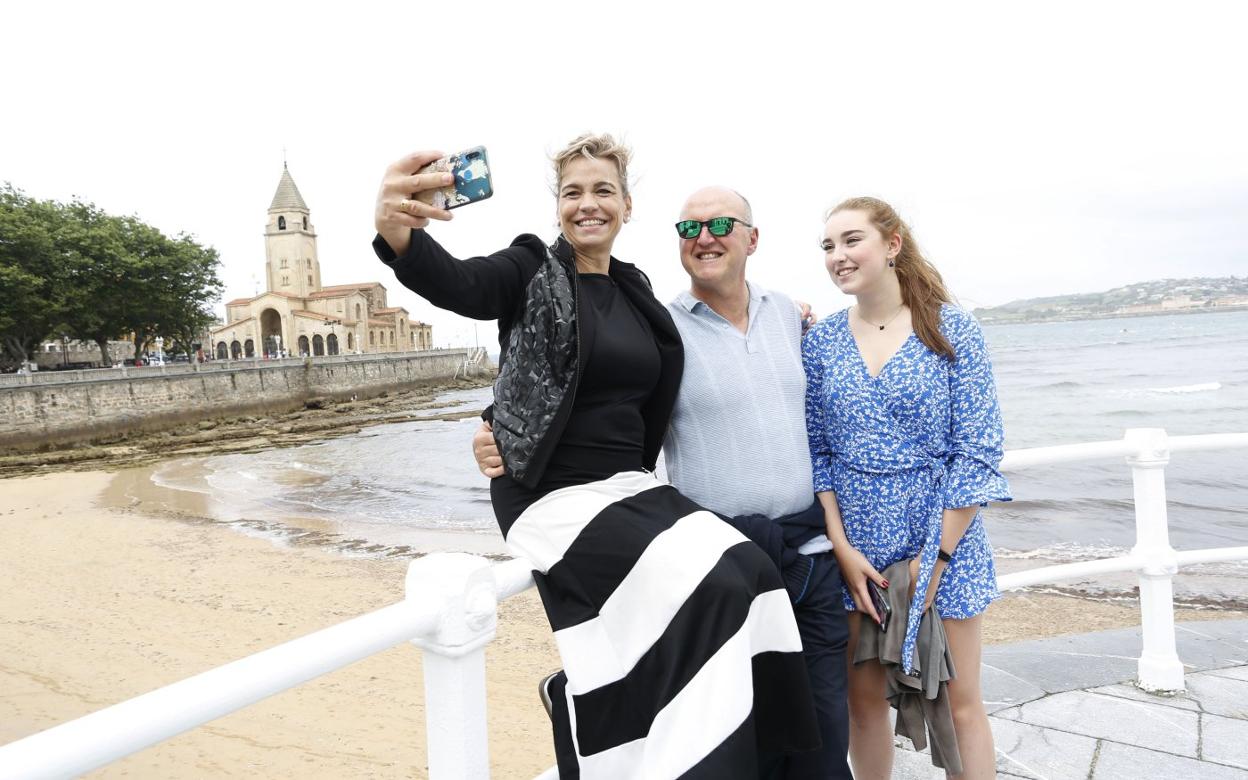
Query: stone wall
x,y
88,405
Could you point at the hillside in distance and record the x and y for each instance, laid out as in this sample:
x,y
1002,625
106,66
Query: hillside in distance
x,y
1159,296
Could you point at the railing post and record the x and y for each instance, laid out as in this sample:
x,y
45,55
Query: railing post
x,y
454,660
1159,666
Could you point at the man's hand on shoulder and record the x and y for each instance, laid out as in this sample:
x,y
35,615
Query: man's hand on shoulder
x,y
808,314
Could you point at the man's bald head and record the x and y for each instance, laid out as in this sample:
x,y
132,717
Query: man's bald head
x,y
722,195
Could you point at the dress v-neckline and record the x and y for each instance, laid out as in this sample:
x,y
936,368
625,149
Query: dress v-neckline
x,y
862,361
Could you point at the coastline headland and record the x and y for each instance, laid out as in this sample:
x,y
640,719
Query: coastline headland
x,y
41,412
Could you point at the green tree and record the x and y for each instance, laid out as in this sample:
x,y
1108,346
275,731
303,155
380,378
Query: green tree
x,y
33,284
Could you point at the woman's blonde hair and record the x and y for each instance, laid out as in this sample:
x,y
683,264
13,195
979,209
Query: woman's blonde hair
x,y
922,288
594,147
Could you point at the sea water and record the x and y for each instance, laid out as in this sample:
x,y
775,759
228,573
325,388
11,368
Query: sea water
x,y
390,486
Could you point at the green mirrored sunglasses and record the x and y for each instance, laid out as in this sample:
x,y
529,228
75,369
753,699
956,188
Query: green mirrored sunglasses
x,y
718,226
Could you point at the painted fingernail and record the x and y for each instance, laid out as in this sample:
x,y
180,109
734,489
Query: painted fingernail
x,y
886,583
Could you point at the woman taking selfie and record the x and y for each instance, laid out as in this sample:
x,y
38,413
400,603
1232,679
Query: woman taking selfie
x,y
679,646
906,437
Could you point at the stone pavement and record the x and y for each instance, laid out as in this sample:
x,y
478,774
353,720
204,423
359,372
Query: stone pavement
x,y
1066,708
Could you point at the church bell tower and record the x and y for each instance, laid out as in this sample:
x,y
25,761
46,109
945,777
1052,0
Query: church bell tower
x,y
291,262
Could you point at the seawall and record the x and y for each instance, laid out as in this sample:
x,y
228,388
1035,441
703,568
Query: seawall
x,y
69,407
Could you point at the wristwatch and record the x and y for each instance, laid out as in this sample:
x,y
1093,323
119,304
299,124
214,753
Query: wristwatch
x,y
942,555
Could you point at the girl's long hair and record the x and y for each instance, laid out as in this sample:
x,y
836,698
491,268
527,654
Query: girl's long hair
x,y
922,288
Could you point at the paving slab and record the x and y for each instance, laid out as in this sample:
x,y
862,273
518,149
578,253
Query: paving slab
x,y
1181,700
1124,762
1219,695
1224,740
1234,673
1120,720
1038,753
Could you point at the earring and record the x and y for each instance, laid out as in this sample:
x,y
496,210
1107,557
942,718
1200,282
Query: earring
x,y
891,262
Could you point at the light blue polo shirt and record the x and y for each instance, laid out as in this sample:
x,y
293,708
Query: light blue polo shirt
x,y
737,441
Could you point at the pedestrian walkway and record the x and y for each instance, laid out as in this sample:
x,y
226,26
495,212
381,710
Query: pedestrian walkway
x,y
1066,708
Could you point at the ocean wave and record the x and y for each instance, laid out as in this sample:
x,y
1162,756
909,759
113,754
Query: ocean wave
x,y
1142,392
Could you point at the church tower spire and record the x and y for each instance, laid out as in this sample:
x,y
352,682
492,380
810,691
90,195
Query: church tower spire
x,y
291,261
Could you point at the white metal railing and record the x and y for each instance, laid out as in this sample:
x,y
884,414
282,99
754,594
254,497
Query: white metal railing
x,y
450,611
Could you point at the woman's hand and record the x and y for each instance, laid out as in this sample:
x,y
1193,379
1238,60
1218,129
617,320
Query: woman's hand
x,y
856,570
485,450
397,212
932,584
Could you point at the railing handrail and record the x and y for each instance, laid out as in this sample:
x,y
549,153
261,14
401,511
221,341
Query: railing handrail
x,y
450,611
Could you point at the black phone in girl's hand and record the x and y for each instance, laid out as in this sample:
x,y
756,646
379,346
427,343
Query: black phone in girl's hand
x,y
880,602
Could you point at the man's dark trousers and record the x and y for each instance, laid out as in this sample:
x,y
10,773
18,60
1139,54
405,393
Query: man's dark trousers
x,y
823,626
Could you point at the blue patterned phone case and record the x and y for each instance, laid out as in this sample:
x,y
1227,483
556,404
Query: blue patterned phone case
x,y
472,179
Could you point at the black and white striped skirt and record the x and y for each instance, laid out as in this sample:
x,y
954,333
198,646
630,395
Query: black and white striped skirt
x,y
677,637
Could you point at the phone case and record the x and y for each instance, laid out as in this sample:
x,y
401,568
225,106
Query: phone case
x,y
881,604
472,179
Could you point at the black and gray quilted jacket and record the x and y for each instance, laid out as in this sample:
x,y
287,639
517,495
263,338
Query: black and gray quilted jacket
x,y
531,290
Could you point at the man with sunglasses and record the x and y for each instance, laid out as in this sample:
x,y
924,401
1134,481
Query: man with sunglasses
x,y
737,444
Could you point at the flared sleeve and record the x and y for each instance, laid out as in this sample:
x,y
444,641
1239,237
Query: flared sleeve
x,y
814,352
975,433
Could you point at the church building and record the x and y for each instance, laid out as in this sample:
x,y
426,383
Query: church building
x,y
296,315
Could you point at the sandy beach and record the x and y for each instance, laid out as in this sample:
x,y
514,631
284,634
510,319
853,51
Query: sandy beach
x,y
105,602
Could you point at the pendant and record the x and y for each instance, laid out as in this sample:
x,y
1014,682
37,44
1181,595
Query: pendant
x,y
881,327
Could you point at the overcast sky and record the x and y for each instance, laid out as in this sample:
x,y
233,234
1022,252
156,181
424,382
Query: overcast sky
x,y
1036,149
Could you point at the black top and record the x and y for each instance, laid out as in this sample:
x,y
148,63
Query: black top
x,y
606,430
498,286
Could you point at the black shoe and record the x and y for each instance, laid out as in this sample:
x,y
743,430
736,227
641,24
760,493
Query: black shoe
x,y
543,692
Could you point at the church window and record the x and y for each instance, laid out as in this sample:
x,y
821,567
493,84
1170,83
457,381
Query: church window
x,y
281,223
283,262
391,338
309,280
285,281
305,223
309,262
350,341
372,338
357,311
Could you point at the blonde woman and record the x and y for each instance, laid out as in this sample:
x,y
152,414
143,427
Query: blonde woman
x,y
680,650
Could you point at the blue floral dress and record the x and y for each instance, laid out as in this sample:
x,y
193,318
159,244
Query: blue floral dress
x,y
900,448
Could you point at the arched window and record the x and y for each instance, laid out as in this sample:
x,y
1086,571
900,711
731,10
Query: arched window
x,y
318,345
281,223
223,352
372,338
305,223
303,346
350,342
331,344
309,262
392,338
309,278
236,350
249,348
357,311
283,262
413,335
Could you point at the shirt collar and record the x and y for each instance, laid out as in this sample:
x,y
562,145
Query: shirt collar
x,y
689,303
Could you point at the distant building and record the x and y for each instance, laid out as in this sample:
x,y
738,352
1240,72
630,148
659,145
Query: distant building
x,y
297,315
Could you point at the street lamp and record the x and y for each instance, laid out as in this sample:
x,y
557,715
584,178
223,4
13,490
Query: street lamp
x,y
160,351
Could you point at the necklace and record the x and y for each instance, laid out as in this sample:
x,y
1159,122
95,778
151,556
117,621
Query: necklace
x,y
896,314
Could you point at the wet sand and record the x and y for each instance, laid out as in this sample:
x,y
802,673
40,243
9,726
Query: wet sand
x,y
106,601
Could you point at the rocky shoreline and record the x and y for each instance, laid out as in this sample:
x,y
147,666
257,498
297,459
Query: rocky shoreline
x,y
319,419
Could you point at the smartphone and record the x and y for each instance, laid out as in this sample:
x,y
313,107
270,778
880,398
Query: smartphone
x,y
472,179
881,604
